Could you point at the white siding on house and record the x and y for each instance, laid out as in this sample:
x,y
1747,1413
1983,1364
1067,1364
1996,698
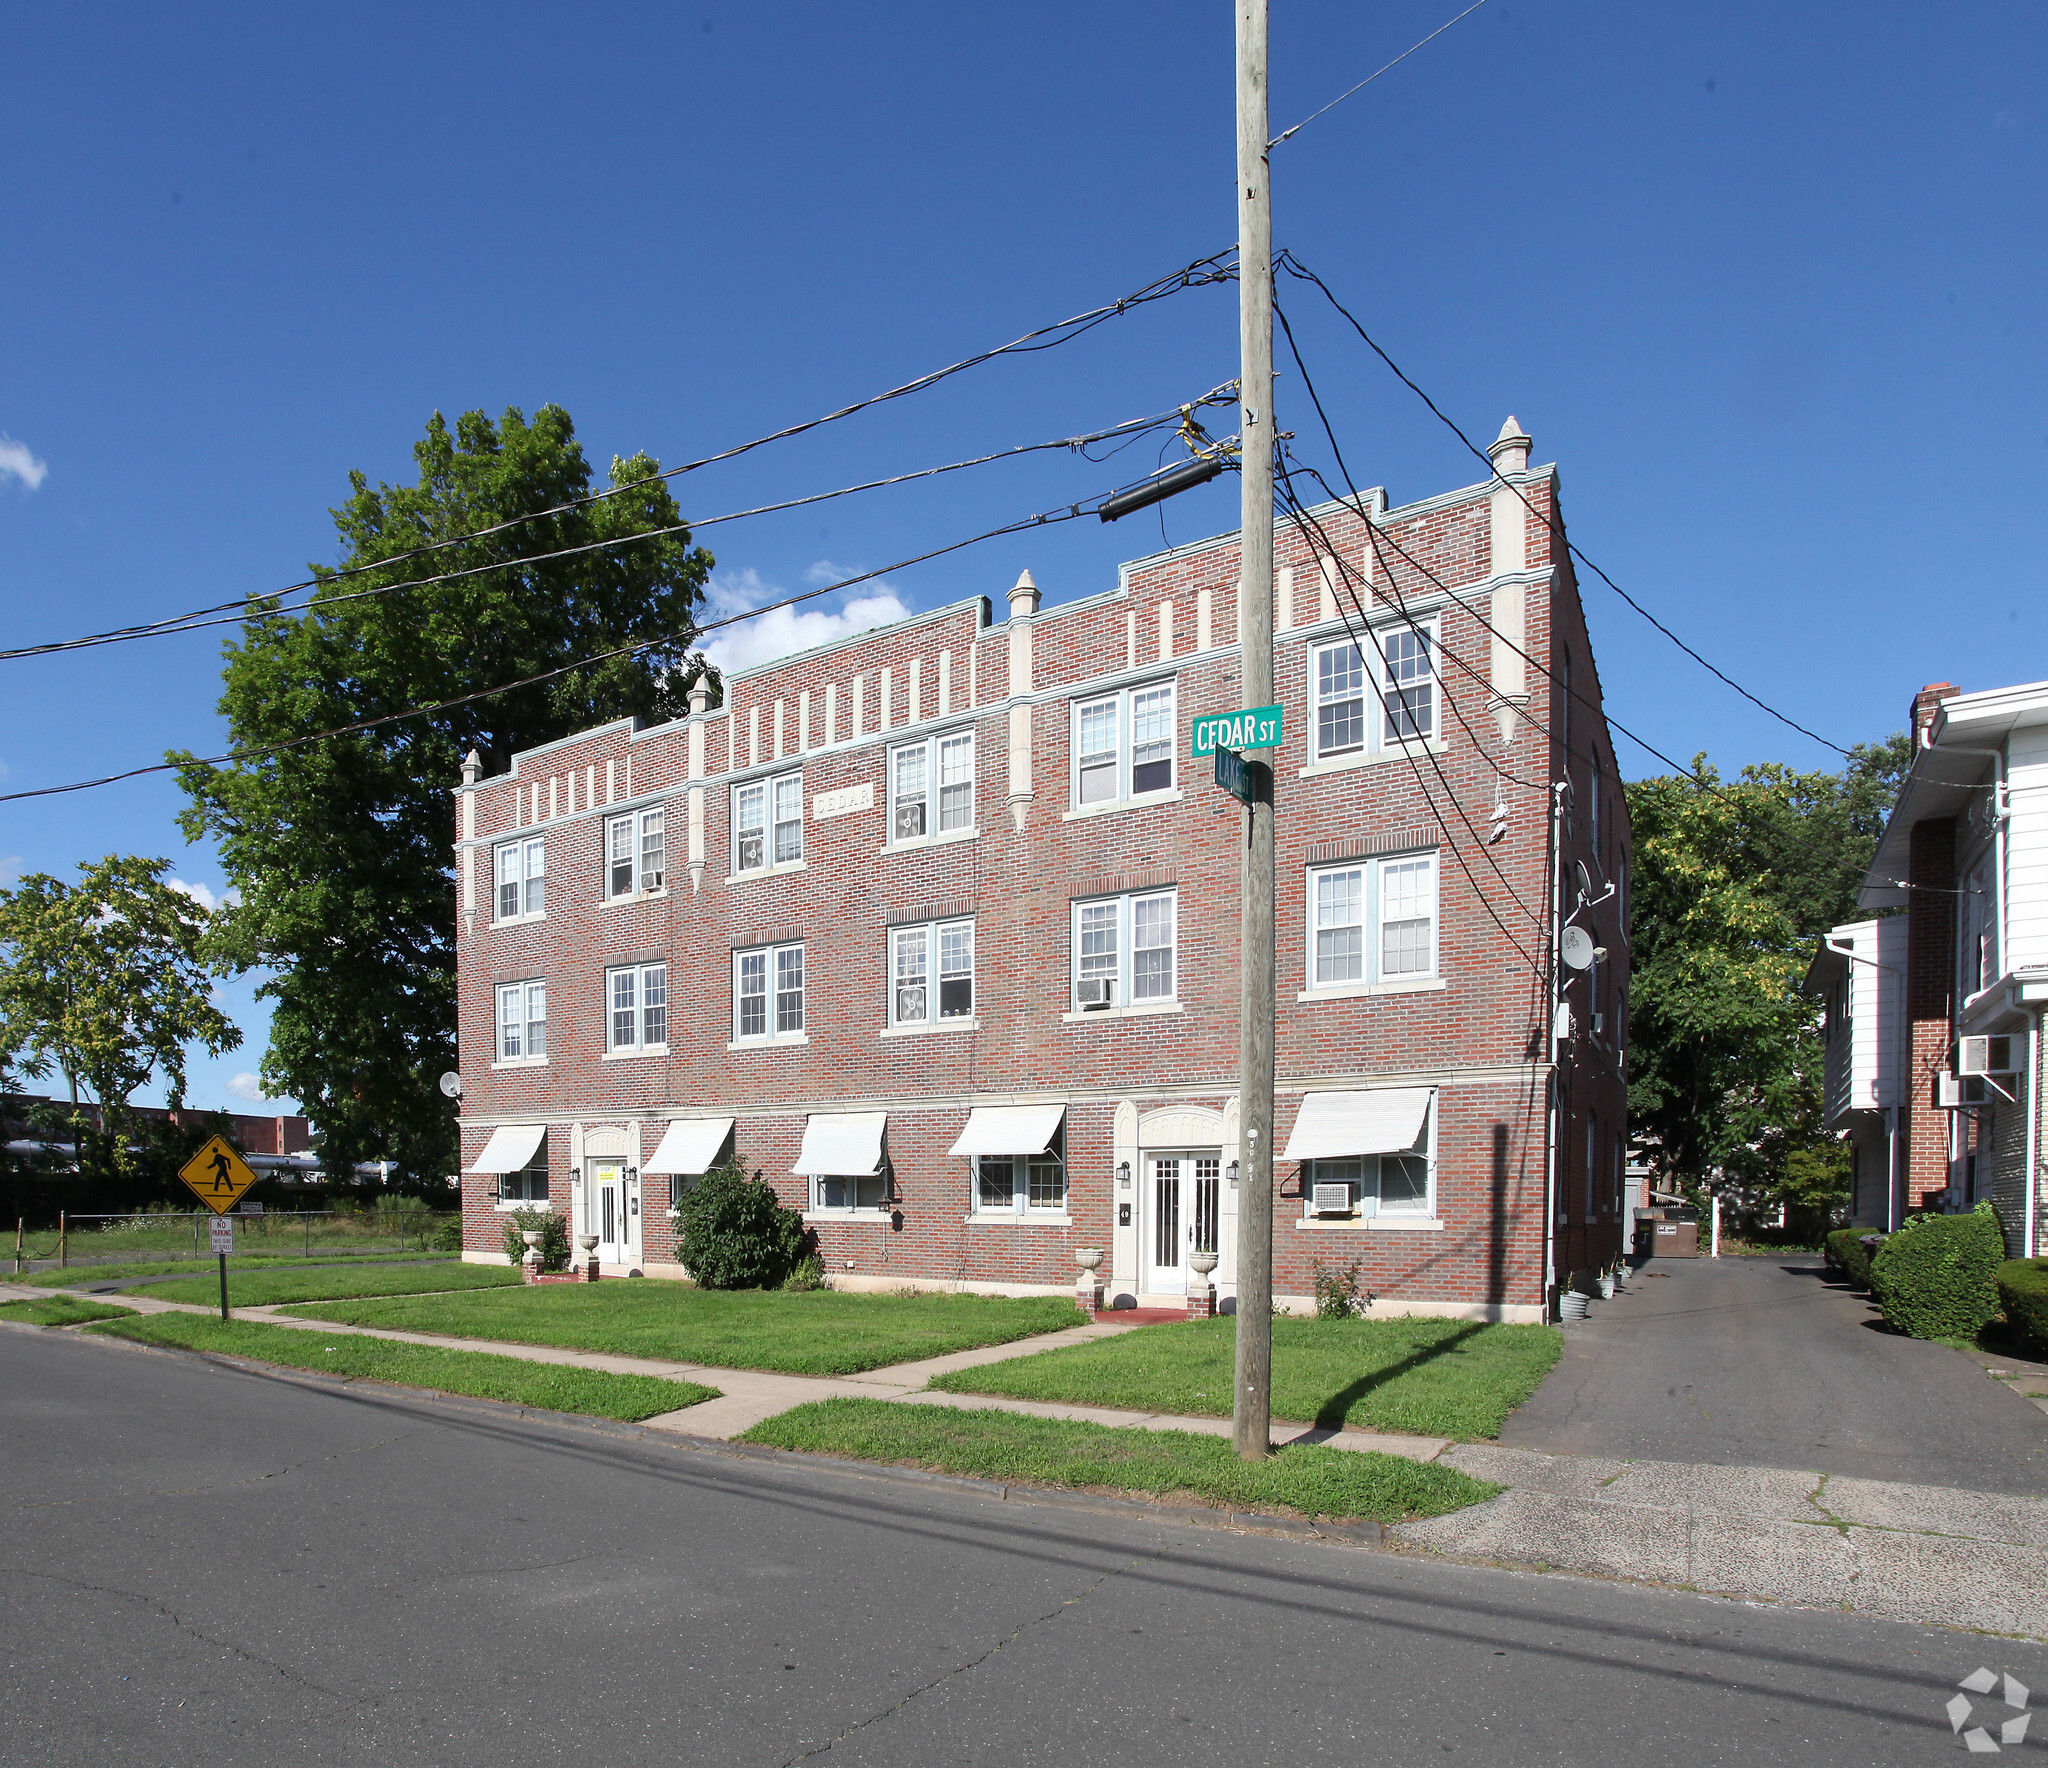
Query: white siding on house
x,y
2027,850
1863,1055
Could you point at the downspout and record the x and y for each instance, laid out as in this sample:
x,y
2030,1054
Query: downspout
x,y
2033,1125
1551,1128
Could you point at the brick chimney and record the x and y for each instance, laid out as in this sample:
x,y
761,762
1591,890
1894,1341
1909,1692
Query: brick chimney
x,y
1924,704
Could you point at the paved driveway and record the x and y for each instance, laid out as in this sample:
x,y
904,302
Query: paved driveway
x,y
1755,1362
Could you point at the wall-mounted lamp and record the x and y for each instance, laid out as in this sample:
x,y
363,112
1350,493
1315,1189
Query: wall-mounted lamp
x,y
1123,1175
1230,1172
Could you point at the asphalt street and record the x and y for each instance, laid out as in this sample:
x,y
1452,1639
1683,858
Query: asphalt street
x,y
208,1566
1763,1362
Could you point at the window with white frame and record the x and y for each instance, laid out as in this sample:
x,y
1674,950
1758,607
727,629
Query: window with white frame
x,y
1125,950
1379,1184
522,1021
1377,698
1123,744
931,786
848,1194
768,993
530,1185
635,848
1372,921
636,1007
522,879
931,973
1023,1184
768,824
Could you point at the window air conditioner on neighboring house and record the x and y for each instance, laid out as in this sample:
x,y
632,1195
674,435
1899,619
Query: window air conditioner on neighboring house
x,y
1985,1055
1094,991
1331,1199
1957,1092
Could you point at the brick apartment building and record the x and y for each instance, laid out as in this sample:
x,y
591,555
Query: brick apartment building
x,y
1949,1043
937,929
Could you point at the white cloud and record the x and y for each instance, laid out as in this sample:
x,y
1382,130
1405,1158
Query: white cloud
x,y
784,631
18,461
247,1086
203,895
10,867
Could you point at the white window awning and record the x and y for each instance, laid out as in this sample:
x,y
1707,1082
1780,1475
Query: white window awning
x,y
690,1146
1009,1129
511,1148
841,1144
1337,1126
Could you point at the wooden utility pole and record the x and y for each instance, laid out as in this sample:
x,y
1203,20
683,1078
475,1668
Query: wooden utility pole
x,y
1252,1407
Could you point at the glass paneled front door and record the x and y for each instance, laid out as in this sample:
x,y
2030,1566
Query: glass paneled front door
x,y
1184,1205
609,1212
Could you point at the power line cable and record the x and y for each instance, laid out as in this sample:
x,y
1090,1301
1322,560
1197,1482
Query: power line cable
x,y
1045,518
247,610
1296,268
1203,271
1374,75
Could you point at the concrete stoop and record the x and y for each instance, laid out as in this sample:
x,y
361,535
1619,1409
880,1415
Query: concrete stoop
x,y
1907,1553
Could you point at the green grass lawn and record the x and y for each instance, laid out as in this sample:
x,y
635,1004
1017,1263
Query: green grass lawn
x,y
259,1261
1308,1479
260,1288
1450,1378
545,1386
58,1310
824,1332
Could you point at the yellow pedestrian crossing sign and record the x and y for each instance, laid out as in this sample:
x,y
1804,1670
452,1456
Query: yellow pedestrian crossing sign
x,y
218,1176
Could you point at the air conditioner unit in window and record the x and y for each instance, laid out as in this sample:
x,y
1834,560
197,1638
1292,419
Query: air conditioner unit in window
x,y
1985,1055
1331,1199
1095,991
1957,1092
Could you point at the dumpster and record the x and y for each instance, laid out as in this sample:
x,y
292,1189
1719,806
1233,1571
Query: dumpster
x,y
1675,1240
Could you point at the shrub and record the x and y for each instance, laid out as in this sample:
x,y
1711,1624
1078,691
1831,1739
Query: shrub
x,y
735,1234
2023,1292
807,1274
1846,1253
554,1237
1338,1296
446,1235
1934,1279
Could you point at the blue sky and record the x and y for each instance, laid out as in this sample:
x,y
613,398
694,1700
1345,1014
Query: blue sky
x,y
1766,280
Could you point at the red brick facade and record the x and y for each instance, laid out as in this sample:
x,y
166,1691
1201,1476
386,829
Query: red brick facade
x,y
1475,1029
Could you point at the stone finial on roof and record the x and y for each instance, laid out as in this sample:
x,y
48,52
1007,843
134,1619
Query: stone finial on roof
x,y
1510,450
472,768
1023,596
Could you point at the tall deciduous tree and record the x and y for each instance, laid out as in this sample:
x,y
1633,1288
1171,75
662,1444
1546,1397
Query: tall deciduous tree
x,y
1734,881
341,848
105,983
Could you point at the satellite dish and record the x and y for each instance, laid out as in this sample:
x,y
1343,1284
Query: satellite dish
x,y
451,1082
1585,878
1576,948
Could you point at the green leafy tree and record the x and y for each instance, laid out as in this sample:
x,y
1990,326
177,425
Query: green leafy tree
x,y
341,848
1734,880
105,982
736,1233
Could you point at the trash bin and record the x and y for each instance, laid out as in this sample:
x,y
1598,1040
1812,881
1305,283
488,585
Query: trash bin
x,y
1676,1239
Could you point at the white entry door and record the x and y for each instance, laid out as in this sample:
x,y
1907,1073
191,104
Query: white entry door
x,y
1184,1215
609,1207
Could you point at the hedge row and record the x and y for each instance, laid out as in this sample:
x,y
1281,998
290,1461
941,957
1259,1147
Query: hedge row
x,y
1937,1277
1844,1249
2023,1293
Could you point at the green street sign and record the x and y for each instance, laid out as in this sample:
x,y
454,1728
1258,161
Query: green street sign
x,y
1246,781
1256,728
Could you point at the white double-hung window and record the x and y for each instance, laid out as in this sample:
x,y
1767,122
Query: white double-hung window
x,y
522,868
523,1021
636,850
1372,921
931,973
1125,951
636,999
931,787
1376,698
1023,1184
768,993
768,824
1123,745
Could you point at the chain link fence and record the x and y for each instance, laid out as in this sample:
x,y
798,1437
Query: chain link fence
x,y
161,1235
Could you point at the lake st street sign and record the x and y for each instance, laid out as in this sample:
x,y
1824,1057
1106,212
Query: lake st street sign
x,y
1258,727
217,1176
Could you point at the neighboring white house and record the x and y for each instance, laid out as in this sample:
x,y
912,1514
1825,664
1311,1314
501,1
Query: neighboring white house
x,y
1965,853
1859,974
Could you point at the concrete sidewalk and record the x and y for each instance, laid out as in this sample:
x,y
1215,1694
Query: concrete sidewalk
x,y
1784,1536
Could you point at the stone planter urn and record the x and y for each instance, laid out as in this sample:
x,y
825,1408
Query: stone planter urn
x,y
589,1244
529,1264
1204,1262
1201,1292
1088,1286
